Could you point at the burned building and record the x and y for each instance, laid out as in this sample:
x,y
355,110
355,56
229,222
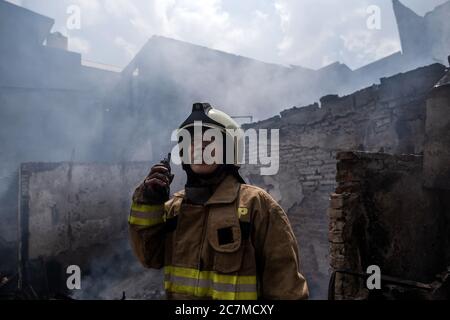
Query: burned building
x,y
50,107
390,117
393,212
59,205
73,205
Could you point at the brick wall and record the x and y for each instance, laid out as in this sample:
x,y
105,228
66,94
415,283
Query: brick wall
x,y
381,215
388,117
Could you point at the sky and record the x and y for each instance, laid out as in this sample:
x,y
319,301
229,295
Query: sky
x,y
309,33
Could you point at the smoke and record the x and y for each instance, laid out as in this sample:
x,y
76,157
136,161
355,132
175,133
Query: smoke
x,y
53,109
116,274
305,33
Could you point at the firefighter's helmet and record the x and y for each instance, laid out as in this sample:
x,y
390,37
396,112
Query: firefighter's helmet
x,y
212,118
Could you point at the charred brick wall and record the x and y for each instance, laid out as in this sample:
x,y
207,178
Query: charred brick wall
x,y
388,117
437,137
382,215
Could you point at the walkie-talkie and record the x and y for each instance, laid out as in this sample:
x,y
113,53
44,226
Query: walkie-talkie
x,y
159,194
166,163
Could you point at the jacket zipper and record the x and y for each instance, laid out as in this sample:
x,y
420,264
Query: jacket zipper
x,y
204,226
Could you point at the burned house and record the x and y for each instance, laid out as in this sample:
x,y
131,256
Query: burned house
x,y
390,117
50,107
393,211
66,207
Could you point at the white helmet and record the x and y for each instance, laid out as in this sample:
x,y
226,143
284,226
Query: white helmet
x,y
216,119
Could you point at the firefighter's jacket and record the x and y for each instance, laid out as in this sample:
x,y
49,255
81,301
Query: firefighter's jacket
x,y
239,245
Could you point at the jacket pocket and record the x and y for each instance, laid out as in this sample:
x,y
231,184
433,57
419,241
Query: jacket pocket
x,y
187,236
225,238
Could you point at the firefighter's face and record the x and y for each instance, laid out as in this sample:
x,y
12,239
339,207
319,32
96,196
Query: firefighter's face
x,y
202,168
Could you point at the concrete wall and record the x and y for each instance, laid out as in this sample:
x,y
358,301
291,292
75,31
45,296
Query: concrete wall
x,y
438,31
71,206
42,125
50,105
424,38
76,214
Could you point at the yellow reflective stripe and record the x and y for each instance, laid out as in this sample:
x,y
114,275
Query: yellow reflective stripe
x,y
147,208
145,222
209,288
146,215
213,275
209,292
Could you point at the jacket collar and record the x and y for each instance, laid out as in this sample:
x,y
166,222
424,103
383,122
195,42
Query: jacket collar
x,y
226,192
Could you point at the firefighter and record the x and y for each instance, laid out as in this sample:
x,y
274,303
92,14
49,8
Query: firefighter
x,y
219,238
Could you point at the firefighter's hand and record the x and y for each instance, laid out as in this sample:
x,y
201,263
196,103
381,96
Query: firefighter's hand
x,y
157,183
